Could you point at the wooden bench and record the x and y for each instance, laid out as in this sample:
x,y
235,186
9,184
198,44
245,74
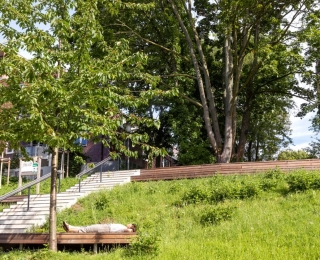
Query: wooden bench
x,y
13,199
21,239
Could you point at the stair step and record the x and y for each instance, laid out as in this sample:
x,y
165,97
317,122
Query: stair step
x,y
13,230
88,189
22,218
18,222
43,209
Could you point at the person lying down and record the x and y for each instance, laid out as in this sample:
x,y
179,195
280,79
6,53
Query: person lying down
x,y
99,228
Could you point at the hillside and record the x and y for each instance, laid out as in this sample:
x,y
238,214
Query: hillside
x,y
265,216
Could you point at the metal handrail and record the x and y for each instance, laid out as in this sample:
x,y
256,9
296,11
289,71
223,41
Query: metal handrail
x,y
26,186
95,166
91,169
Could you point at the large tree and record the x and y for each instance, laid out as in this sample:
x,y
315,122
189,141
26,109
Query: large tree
x,y
224,58
66,90
248,33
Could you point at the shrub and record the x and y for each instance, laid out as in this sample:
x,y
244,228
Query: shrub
x,y
146,243
102,201
195,195
214,215
221,193
272,179
248,190
302,180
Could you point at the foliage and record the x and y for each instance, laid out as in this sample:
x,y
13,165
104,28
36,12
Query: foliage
x,y
294,155
146,244
221,190
314,148
65,91
270,181
302,181
215,215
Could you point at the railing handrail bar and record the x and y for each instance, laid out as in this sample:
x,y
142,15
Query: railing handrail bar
x,y
29,184
43,178
95,166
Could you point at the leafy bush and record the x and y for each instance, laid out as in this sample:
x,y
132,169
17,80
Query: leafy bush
x,y
248,190
271,180
221,193
102,201
214,215
220,190
294,155
195,195
302,180
146,243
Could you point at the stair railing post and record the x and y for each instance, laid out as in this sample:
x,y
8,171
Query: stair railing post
x,y
79,183
101,173
59,178
28,198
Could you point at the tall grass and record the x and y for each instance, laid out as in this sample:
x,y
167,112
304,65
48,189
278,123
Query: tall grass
x,y
265,216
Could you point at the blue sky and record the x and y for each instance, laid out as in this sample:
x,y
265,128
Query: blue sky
x,y
301,134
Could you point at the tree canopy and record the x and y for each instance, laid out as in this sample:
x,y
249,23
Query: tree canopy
x,y
66,90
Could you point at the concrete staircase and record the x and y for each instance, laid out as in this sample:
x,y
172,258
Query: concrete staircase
x,y
18,219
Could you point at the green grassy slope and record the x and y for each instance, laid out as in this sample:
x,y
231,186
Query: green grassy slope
x,y
266,216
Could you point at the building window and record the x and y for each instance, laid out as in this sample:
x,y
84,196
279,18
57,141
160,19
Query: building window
x,y
81,141
9,150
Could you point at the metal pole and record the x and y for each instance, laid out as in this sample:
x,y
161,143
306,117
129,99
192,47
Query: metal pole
x,y
59,182
128,160
101,173
38,174
79,183
67,164
8,178
28,198
20,178
1,170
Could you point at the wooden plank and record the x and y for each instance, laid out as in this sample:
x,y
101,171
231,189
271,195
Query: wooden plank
x,y
67,238
205,170
14,198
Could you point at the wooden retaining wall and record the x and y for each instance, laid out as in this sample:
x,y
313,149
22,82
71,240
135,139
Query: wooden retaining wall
x,y
206,170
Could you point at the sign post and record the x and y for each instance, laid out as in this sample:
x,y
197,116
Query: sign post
x,y
30,168
38,173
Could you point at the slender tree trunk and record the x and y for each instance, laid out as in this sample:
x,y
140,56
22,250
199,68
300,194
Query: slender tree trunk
x,y
257,152
249,154
245,123
318,83
249,98
53,202
243,134
200,81
228,96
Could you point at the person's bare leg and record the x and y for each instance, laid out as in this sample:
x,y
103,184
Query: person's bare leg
x,y
69,228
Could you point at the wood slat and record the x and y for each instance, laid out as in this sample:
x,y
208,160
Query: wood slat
x,y
67,238
14,198
205,170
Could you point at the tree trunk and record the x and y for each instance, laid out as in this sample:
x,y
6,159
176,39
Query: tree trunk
x,y
200,81
249,153
53,202
243,134
228,96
